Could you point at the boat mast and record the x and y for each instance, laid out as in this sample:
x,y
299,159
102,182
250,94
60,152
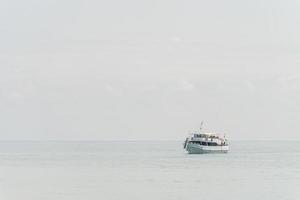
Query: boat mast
x,y
201,125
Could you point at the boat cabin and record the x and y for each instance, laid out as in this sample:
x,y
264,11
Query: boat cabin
x,y
208,139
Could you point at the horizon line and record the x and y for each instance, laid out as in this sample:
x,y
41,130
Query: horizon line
x,y
129,140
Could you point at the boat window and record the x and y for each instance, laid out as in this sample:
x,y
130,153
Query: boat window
x,y
212,144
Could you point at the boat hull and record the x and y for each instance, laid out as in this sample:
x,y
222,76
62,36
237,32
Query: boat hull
x,y
199,149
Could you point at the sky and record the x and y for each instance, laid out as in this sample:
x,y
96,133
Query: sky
x,y
149,70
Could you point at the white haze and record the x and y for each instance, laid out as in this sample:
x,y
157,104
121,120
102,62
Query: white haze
x,y
102,70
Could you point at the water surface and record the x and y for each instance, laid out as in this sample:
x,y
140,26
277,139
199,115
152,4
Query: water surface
x,y
148,170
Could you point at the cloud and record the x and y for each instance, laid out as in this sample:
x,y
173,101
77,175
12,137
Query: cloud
x,y
185,85
113,90
291,82
175,39
285,79
250,85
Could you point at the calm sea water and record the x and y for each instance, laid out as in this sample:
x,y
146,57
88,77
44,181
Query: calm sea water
x,y
148,171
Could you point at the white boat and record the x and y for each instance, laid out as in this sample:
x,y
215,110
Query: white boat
x,y
206,143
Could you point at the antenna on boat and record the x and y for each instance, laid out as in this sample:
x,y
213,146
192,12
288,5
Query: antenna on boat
x,y
201,125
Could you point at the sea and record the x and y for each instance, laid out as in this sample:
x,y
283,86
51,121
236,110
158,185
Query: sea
x,y
148,170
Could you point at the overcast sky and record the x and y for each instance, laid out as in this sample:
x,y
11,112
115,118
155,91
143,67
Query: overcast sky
x,y
132,69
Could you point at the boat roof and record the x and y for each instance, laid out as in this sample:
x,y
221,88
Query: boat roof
x,y
211,134
207,133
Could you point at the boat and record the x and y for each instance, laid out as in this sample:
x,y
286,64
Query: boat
x,y
206,142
